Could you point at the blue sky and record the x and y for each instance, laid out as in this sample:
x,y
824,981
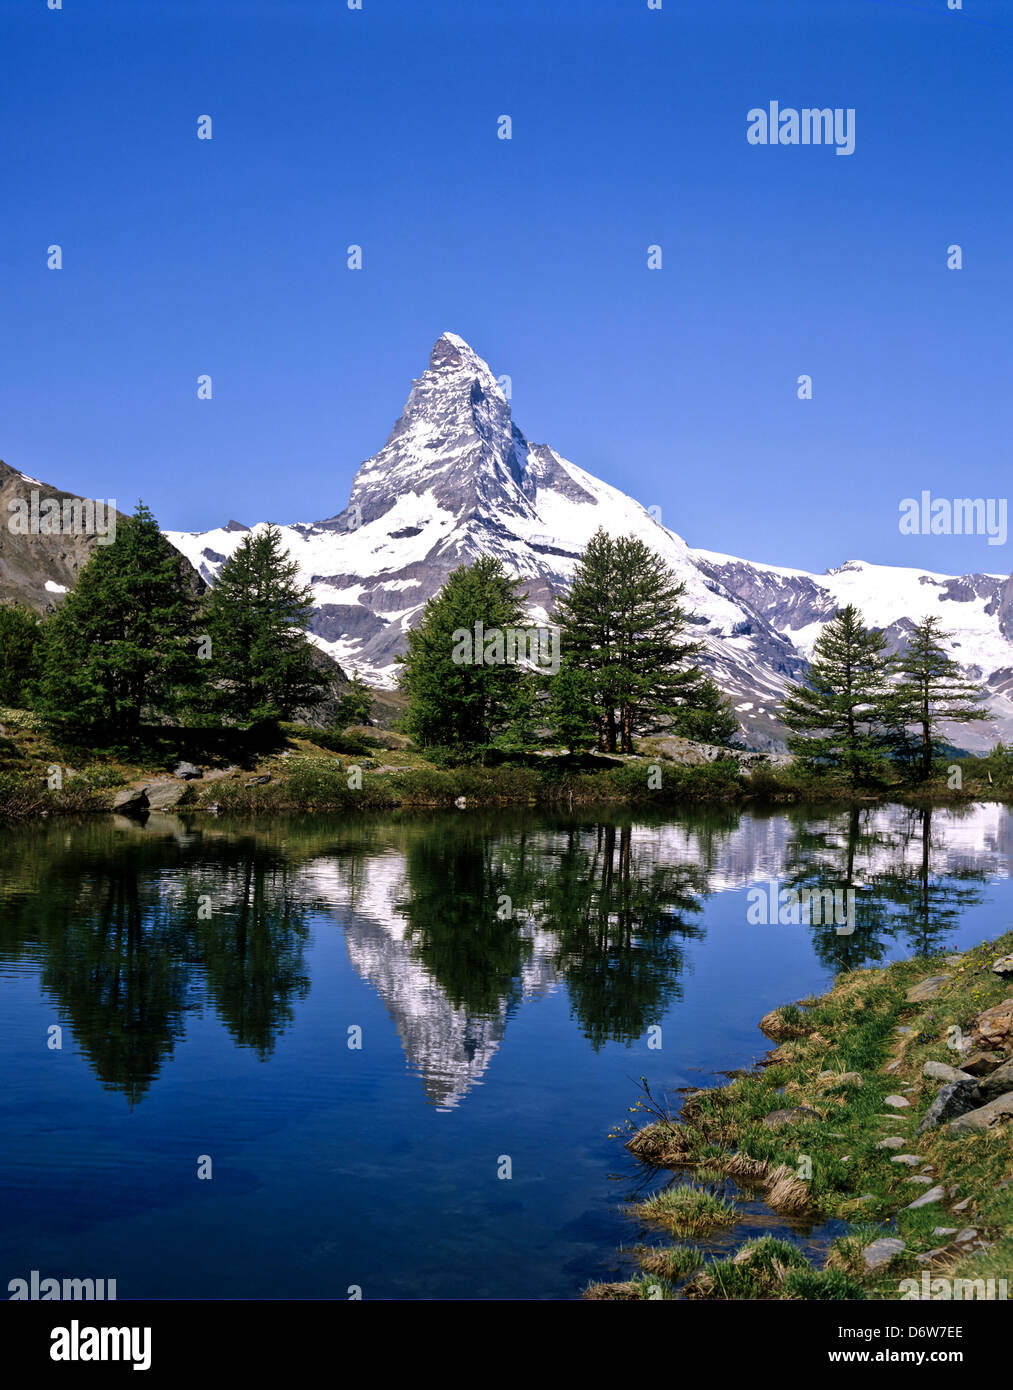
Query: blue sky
x,y
378,127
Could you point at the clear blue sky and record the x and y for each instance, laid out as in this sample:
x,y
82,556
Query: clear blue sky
x,y
379,127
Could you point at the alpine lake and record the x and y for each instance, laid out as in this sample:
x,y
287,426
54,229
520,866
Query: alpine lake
x,y
325,1057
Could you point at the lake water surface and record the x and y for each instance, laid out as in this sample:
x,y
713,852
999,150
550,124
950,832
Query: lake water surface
x,y
508,972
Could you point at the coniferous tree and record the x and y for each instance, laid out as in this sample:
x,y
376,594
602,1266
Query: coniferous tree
x,y
461,689
261,664
834,717
20,633
709,719
622,623
356,703
932,689
122,646
569,708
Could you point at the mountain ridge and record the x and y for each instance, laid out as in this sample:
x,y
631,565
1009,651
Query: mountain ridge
x,y
457,478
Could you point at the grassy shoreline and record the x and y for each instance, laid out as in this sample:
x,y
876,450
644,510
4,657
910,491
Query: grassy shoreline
x,y
816,1132
311,770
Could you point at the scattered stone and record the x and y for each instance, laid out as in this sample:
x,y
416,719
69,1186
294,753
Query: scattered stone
x,y
997,1083
961,1206
841,1078
797,1115
904,1030
882,1251
894,1065
996,1112
130,800
953,1099
461,803
941,1252
910,1159
187,771
894,1142
1003,966
926,989
944,1231
162,796
898,1102
967,1234
259,781
934,1194
994,1028
918,1178
939,1071
982,1063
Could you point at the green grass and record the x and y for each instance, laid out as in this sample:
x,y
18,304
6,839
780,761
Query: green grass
x,y
687,1210
854,1028
668,1262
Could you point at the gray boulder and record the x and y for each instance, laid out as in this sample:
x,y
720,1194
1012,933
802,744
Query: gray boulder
x,y
131,801
163,796
798,1115
997,1083
939,1071
881,1252
934,1194
187,771
953,1099
997,1112
926,989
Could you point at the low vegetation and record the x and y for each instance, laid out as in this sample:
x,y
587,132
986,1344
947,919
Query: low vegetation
x,y
827,1127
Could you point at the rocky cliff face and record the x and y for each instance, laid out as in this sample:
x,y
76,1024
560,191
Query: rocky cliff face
x,y
38,567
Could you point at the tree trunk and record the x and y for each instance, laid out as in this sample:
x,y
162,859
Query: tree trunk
x,y
610,731
627,717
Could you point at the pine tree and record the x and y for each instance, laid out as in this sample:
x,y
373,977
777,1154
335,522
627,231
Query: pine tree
x,y
709,719
20,633
932,689
122,647
834,717
621,622
261,662
461,691
569,708
355,704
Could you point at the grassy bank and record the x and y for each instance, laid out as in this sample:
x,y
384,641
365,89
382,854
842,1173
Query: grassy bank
x,y
301,769
827,1129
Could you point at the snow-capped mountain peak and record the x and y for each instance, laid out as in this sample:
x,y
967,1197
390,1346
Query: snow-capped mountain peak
x,y
457,478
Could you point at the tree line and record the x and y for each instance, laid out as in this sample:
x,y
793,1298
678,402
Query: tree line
x,y
861,709
625,661
139,642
